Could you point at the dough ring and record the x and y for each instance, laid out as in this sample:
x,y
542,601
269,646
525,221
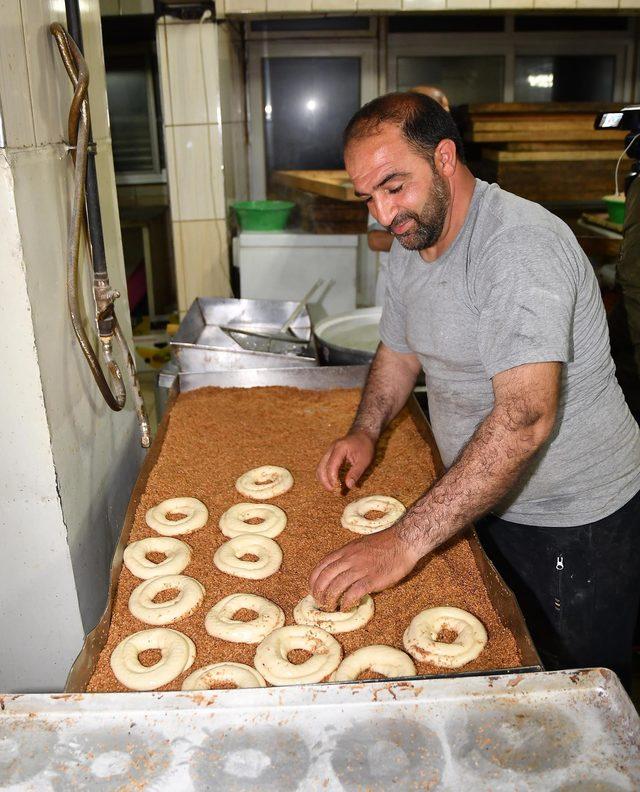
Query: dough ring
x,y
196,516
234,521
142,606
353,517
178,555
264,482
242,676
385,660
228,557
178,653
420,637
221,624
271,655
307,612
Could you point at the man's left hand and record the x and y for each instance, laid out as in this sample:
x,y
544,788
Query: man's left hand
x,y
361,567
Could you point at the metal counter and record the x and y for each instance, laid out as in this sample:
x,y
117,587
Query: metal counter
x,y
550,731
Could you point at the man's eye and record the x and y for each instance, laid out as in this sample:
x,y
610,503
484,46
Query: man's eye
x,y
395,190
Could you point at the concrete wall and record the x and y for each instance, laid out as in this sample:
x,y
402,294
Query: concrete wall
x,y
86,457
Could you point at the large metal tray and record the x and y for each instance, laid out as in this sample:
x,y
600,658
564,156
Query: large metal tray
x,y
547,732
203,344
320,378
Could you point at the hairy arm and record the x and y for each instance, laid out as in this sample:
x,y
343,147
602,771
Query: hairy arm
x,y
498,453
391,378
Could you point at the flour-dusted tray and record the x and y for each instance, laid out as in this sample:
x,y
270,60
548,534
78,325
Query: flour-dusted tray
x,y
548,732
320,378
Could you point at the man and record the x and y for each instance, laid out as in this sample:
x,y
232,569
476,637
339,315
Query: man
x,y
493,297
379,239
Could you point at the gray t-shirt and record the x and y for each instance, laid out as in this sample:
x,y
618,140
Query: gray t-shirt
x,y
513,288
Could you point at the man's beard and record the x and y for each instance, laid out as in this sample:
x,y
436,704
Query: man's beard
x,y
430,222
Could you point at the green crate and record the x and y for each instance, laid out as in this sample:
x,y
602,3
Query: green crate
x,y
263,215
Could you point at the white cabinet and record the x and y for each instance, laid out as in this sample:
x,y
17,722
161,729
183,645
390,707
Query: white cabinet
x,y
278,265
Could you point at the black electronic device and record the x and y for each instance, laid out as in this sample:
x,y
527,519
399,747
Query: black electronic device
x,y
627,118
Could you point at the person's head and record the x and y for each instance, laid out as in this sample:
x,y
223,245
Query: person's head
x,y
402,152
434,93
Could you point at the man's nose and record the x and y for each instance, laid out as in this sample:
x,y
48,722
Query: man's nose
x,y
385,210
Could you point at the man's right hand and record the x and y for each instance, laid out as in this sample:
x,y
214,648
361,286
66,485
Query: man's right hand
x,y
357,449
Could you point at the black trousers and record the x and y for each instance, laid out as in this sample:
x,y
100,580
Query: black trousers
x,y
578,588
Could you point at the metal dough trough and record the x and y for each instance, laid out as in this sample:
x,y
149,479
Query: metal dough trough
x,y
224,334
550,731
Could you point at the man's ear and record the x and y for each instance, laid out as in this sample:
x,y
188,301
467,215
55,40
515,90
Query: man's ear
x,y
446,157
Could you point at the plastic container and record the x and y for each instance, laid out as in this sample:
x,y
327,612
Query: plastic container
x,y
263,215
615,207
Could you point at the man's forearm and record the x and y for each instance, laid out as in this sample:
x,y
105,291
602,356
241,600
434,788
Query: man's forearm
x,y
389,384
486,470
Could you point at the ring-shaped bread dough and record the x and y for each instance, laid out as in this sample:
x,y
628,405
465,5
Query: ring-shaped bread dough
x,y
272,662
308,612
264,482
221,624
228,557
196,515
241,675
234,521
385,660
142,606
178,653
178,555
420,637
353,517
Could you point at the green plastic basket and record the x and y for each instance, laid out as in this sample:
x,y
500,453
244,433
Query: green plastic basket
x,y
263,215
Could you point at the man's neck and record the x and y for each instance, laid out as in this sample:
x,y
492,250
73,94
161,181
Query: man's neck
x,y
462,187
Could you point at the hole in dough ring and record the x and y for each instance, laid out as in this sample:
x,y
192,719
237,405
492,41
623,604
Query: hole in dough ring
x,y
264,482
308,612
271,655
233,521
178,555
420,637
142,606
385,660
178,653
221,624
242,676
196,516
353,517
228,557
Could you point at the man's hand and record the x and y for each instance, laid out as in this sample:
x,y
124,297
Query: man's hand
x,y
361,567
357,449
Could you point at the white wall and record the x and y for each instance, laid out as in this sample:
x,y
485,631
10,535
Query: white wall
x,y
58,528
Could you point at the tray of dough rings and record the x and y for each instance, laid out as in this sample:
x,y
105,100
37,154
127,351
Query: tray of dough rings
x,y
560,731
219,576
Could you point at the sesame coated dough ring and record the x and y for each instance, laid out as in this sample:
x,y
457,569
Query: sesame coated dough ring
x,y
234,521
420,637
220,623
196,515
178,653
385,660
308,612
178,555
241,675
272,662
264,482
228,557
142,606
354,519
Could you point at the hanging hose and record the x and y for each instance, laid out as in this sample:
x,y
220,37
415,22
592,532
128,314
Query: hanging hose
x,y
79,131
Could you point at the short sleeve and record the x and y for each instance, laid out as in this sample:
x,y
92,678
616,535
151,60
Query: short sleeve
x,y
393,323
525,289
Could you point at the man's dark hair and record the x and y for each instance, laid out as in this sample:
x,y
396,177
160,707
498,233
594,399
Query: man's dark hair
x,y
422,120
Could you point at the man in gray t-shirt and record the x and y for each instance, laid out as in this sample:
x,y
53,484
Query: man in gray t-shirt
x,y
493,298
